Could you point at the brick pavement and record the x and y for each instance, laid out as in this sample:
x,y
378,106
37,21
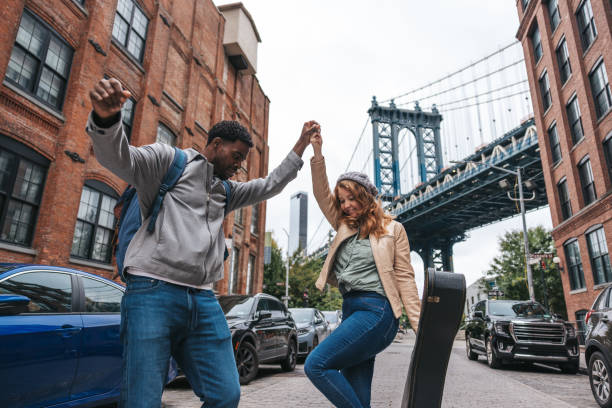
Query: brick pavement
x,y
274,388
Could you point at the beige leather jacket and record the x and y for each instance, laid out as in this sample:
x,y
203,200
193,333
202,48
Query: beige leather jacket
x,y
391,252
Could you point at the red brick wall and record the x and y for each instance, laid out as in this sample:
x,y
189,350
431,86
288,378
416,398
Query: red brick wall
x,y
595,130
184,69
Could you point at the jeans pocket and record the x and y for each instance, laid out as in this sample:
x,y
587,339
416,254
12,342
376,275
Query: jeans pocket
x,y
373,303
139,284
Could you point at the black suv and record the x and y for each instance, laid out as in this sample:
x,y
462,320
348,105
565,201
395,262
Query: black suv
x,y
598,347
507,330
263,331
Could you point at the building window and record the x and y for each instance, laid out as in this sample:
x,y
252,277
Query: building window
x,y
575,121
564,199
555,148
607,145
255,220
130,27
600,87
574,265
586,24
598,252
40,61
21,187
565,69
127,116
587,181
553,12
536,41
238,214
250,274
165,135
545,91
233,278
93,232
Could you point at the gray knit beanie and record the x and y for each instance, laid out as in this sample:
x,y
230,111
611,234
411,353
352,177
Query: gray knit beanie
x,y
360,178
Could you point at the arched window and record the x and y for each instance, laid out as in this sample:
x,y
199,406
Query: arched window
x,y
22,180
93,232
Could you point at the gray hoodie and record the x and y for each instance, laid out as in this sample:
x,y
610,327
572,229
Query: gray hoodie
x,y
188,244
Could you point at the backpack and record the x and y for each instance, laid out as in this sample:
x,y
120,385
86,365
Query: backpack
x,y
127,209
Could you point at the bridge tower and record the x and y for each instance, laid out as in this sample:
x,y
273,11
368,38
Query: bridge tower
x,y
387,122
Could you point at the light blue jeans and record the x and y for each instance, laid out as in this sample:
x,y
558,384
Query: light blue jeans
x,y
342,366
159,319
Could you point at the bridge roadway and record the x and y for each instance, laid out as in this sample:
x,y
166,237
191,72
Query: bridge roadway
x,y
465,196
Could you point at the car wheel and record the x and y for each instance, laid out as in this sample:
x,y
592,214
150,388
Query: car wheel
x,y
315,342
288,364
468,349
492,360
570,368
599,377
247,362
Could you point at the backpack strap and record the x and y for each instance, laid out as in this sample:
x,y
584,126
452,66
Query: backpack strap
x,y
174,173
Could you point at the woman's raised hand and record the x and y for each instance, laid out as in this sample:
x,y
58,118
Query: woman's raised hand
x,y
317,141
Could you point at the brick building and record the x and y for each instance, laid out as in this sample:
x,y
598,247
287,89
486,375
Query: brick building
x,y
186,67
568,53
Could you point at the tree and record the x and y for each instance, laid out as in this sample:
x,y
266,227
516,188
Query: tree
x,y
303,274
274,273
510,272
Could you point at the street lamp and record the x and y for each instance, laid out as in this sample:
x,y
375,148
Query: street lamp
x,y
286,297
506,186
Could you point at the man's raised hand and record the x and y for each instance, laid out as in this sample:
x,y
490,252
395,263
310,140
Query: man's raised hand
x,y
107,97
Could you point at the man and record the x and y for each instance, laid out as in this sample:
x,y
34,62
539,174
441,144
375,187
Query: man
x,y
169,307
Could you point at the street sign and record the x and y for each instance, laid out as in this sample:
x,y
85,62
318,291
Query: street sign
x,y
496,293
542,256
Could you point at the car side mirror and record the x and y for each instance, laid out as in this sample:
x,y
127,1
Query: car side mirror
x,y
478,314
13,304
263,315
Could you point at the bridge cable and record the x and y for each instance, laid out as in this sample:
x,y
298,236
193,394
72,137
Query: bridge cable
x,y
454,73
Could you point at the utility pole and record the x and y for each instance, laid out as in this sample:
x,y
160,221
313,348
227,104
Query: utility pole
x,y
521,200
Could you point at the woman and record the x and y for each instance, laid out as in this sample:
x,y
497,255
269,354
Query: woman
x,y
369,261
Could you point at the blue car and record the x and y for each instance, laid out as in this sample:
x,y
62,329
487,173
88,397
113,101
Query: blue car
x,y
59,337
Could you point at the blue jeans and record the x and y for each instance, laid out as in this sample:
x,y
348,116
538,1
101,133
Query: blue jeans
x,y
342,366
159,319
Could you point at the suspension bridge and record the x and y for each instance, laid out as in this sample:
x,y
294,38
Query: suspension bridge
x,y
438,169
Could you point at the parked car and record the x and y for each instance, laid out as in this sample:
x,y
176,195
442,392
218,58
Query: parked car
x,y
598,348
312,328
514,330
59,337
262,332
333,317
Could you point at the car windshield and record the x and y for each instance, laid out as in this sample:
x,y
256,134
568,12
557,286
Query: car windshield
x,y
301,315
236,306
518,309
331,317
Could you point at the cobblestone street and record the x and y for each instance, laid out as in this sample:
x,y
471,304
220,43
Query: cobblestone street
x,y
467,383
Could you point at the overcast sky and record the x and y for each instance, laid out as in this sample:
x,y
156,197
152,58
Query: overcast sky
x,y
324,60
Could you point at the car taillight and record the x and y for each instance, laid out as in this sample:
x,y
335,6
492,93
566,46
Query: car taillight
x,y
588,316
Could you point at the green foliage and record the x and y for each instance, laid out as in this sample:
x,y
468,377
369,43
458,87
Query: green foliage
x,y
510,274
303,273
274,273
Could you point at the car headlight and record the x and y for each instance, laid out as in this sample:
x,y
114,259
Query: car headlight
x,y
502,328
569,329
304,330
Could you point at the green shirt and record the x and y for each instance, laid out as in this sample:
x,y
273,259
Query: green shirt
x,y
355,268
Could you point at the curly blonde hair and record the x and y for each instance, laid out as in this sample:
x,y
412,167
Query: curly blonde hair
x,y
372,219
